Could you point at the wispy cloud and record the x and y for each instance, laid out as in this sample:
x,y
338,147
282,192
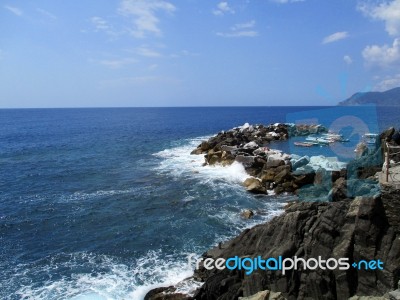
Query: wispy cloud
x,y
46,13
15,10
348,60
147,52
389,12
144,15
241,30
117,63
388,83
383,56
337,36
102,25
223,8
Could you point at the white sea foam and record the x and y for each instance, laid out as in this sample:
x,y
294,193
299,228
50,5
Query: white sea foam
x,y
107,279
178,162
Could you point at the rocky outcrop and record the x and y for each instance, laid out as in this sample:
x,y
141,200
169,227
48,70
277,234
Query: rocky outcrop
x,y
363,229
273,171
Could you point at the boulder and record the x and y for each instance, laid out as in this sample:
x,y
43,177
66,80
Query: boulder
x,y
245,159
268,176
205,146
387,134
196,151
274,161
300,162
254,185
251,145
282,176
264,295
247,214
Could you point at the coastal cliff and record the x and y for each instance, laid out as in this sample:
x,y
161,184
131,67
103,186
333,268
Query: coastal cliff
x,y
362,229
358,221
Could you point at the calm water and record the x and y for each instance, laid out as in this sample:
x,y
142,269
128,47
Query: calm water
x,y
107,203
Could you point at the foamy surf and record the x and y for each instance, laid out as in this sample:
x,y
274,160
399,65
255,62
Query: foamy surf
x,y
178,162
106,278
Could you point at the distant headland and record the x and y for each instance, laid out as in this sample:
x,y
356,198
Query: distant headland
x,y
386,98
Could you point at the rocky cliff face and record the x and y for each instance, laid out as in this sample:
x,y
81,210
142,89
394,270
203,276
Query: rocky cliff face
x,y
365,228
362,229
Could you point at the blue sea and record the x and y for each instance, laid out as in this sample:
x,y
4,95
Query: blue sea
x,y
106,203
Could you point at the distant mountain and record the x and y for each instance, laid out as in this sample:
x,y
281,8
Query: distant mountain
x,y
387,98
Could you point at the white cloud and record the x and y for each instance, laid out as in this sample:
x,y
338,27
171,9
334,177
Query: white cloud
x,y
223,8
101,25
348,60
337,36
240,26
15,10
241,30
286,1
117,63
389,12
144,16
382,56
46,13
388,83
145,51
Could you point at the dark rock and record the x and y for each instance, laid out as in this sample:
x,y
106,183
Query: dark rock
x,y
254,185
268,176
358,230
205,146
387,134
165,293
301,162
282,176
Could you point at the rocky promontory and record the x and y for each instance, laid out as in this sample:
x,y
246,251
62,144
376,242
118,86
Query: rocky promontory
x,y
360,228
271,170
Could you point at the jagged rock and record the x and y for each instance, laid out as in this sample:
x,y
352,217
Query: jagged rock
x,y
300,162
196,151
213,159
282,176
358,230
268,175
264,295
165,293
387,134
251,145
254,185
247,214
205,146
245,159
274,161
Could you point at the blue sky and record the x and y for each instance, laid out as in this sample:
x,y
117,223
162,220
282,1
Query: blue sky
x,y
96,53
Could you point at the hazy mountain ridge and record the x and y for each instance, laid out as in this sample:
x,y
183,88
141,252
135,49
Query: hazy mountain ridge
x,y
386,98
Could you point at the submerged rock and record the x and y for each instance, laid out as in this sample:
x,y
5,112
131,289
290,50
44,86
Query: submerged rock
x,y
247,214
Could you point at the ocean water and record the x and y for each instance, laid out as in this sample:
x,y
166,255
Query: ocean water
x,y
108,203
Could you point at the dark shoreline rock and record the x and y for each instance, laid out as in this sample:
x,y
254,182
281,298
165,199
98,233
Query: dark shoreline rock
x,y
360,228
